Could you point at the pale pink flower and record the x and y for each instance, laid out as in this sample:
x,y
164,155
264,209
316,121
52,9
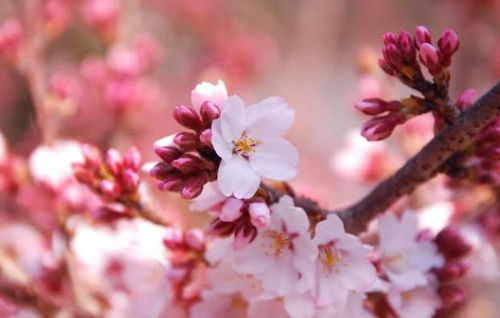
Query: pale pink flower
x,y
282,255
405,259
210,198
207,92
51,164
251,144
342,264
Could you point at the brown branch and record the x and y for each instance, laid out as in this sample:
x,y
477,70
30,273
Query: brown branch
x,y
426,163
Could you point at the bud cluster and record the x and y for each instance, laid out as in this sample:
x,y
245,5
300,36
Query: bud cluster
x,y
115,177
187,249
454,248
188,158
388,114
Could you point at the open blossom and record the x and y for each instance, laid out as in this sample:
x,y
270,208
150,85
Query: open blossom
x,y
283,253
420,302
405,258
342,264
207,92
251,144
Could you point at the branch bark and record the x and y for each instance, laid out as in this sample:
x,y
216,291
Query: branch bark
x,y
424,165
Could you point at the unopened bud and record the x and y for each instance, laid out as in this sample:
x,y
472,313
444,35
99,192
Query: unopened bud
x,y
206,137
260,215
168,153
406,45
386,67
231,210
188,163
429,56
82,174
381,127
114,161
451,272
186,141
209,112
195,239
451,243
172,182
448,42
220,228
376,106
130,180
466,98
173,239
133,158
187,117
92,155
193,186
243,236
389,38
109,188
422,35
451,295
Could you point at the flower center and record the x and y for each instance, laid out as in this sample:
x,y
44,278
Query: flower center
x,y
245,144
279,241
393,260
330,258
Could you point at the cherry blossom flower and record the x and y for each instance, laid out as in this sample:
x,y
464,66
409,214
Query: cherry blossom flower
x,y
207,92
251,144
282,255
342,265
420,302
405,259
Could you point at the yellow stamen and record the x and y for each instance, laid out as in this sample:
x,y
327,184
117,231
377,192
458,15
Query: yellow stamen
x,y
245,144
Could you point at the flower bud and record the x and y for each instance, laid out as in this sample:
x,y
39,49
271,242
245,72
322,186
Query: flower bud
x,y
406,45
193,186
162,170
466,98
186,141
114,161
381,127
422,35
209,112
429,55
110,188
195,239
451,243
231,210
386,67
188,163
451,295
220,228
187,117
173,182
168,153
92,156
205,91
130,180
82,174
206,137
173,239
451,272
389,38
133,158
448,42
394,55
376,106
243,236
260,215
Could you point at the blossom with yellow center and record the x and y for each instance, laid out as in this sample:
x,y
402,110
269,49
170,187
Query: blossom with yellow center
x,y
245,145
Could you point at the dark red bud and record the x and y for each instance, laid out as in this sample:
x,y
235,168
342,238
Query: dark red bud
x,y
186,141
187,117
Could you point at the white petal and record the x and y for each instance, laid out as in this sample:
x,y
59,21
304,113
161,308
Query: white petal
x,y
222,147
233,119
328,230
209,197
270,118
236,177
299,306
275,159
294,218
206,91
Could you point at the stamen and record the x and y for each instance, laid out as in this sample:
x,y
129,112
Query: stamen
x,y
245,145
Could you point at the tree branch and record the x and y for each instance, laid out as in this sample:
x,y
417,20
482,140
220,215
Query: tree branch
x,y
426,163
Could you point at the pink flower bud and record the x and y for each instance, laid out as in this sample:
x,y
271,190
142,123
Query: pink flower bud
x,y
174,238
376,106
386,67
114,161
109,188
219,228
389,38
209,112
466,98
193,186
206,137
406,45
187,117
448,42
451,295
231,210
381,127
188,163
422,35
168,153
82,174
186,141
394,55
429,55
162,170
130,180
451,272
451,243
243,236
207,92
172,182
195,239
260,215
133,158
